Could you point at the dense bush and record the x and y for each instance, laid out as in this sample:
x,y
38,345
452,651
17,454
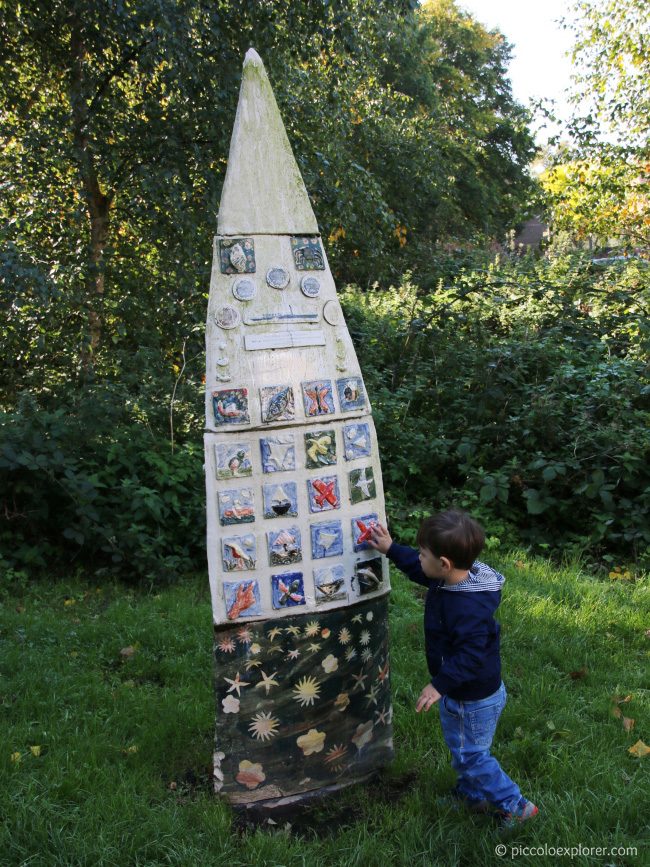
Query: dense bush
x,y
517,390
89,482
520,392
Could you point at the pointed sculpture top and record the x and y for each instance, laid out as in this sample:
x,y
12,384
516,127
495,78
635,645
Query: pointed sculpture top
x,y
263,193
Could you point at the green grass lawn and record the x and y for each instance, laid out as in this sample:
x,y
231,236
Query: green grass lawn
x,y
105,758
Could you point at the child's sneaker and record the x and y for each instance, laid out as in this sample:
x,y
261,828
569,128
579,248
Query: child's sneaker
x,y
523,811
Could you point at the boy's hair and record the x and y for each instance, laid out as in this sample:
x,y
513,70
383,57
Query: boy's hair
x,y
452,534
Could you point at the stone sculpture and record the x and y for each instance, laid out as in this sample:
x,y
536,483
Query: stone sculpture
x,y
293,485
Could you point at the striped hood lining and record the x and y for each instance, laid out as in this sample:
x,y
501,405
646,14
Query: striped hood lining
x,y
481,578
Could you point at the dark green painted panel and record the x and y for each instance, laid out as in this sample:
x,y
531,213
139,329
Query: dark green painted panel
x,y
303,702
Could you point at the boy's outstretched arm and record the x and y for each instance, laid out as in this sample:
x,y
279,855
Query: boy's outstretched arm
x,y
406,559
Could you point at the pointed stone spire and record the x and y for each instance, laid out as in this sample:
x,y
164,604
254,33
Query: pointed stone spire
x,y
264,193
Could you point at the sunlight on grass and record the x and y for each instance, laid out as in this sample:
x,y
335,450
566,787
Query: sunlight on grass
x,y
114,687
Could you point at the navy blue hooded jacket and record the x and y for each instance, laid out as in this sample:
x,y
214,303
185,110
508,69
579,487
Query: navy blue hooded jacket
x,y
460,633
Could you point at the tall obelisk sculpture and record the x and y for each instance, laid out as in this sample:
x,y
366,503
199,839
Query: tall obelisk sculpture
x,y
293,485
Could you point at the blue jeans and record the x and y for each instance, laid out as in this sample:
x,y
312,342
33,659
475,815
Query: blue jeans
x,y
468,728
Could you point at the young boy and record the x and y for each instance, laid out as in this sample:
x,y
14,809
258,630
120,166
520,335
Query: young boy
x,y
462,648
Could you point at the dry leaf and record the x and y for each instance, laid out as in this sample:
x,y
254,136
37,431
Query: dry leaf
x,y
622,699
70,602
173,786
628,724
647,633
127,652
35,750
130,750
640,750
15,758
579,674
616,711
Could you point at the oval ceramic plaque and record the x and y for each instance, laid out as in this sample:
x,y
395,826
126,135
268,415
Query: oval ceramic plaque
x,y
244,289
310,286
227,317
332,313
277,278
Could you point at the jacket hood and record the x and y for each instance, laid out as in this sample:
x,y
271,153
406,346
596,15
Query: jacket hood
x,y
481,578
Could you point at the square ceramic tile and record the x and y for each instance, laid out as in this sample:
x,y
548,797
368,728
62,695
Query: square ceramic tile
x,y
238,553
320,449
277,403
307,254
326,539
361,531
236,506
362,485
280,500
287,590
242,599
230,406
323,494
330,584
278,453
284,546
233,460
317,397
356,441
237,255
368,575
351,393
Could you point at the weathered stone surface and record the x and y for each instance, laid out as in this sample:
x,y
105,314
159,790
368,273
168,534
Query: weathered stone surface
x,y
263,192
293,483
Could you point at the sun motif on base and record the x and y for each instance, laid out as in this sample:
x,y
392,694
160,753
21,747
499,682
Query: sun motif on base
x,y
345,636
264,726
364,638
312,629
226,645
336,756
306,691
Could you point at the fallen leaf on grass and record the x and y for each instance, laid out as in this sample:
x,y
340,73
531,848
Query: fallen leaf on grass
x,y
628,723
129,751
35,750
15,758
69,601
647,633
640,750
127,652
579,674
20,609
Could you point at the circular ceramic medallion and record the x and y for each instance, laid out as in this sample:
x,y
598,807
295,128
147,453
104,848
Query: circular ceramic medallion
x,y
277,278
332,313
223,361
227,317
310,286
244,289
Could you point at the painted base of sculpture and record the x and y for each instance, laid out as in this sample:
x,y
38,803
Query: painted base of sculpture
x,y
303,702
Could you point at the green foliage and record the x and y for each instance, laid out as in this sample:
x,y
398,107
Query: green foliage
x,y
519,392
88,483
116,120
612,59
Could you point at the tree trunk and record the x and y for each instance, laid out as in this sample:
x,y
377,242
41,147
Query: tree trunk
x,y
98,203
